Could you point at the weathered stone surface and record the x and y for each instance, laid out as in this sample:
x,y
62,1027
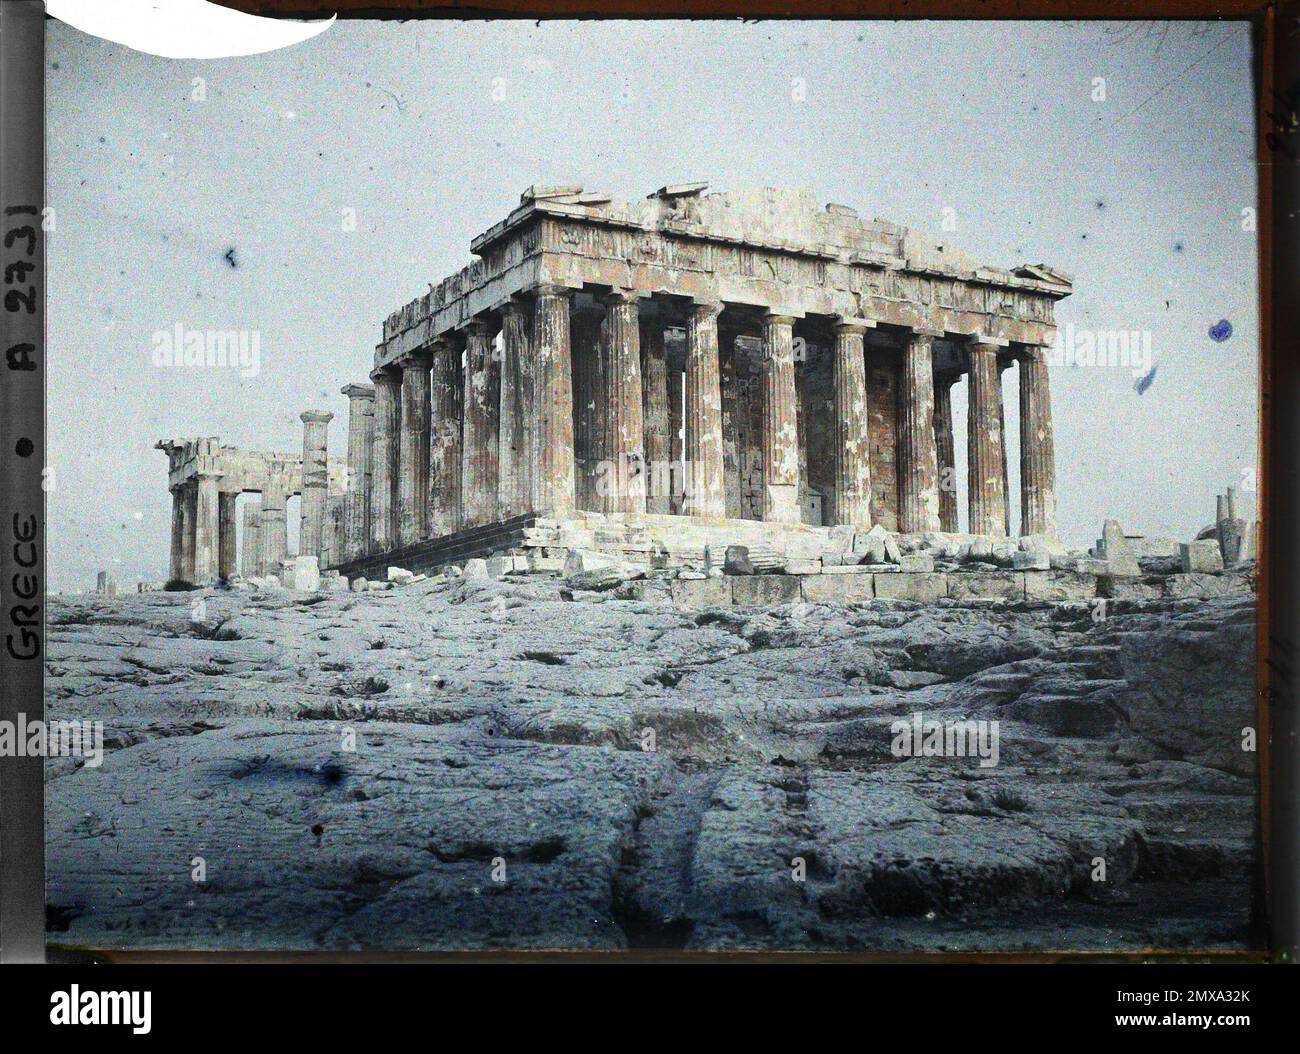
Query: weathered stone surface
x,y
987,585
916,562
702,593
302,573
837,589
1032,560
911,586
1202,556
498,719
1059,586
762,590
737,561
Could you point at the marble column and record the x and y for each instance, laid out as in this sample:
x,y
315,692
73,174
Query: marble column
x,y
178,535
315,480
852,448
385,454
702,411
1003,366
1037,447
625,468
554,400
586,341
189,510
918,459
206,528
444,439
413,453
275,525
227,551
943,441
479,474
356,500
986,498
250,555
676,417
780,422
654,413
514,456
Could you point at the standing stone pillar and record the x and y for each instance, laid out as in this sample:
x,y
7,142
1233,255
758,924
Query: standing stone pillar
x,y
189,511
852,447
207,526
654,413
677,427
1037,447
176,570
514,456
1003,366
587,352
274,534
780,422
413,455
554,400
986,497
444,439
918,459
361,429
315,480
702,411
250,554
227,551
479,477
385,454
943,441
625,475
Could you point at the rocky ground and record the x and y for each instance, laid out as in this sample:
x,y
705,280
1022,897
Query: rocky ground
x,y
502,724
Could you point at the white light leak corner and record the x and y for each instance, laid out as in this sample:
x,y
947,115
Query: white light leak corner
x,y
182,29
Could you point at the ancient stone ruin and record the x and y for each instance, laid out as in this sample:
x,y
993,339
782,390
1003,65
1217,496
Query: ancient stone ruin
x,y
744,356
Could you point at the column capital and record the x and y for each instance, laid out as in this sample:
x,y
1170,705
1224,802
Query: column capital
x,y
706,309
310,416
514,308
620,296
852,324
358,391
418,359
386,375
779,317
979,340
480,327
552,289
929,332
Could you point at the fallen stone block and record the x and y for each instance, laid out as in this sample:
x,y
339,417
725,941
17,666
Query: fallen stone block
x,y
576,561
909,585
803,567
1202,585
1118,587
736,560
764,590
1201,557
604,578
987,585
855,570
1032,560
916,562
476,569
400,576
304,574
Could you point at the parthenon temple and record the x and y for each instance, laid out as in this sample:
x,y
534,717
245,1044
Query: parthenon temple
x,y
744,356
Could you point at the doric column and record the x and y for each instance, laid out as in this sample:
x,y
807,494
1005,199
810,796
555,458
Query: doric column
x,y
1037,447
702,411
479,476
780,422
250,555
444,439
1003,366
361,431
554,400
227,539
385,454
275,526
918,459
986,496
315,480
189,517
207,529
943,441
178,535
332,533
852,447
625,470
514,457
413,455
586,342
654,413
676,418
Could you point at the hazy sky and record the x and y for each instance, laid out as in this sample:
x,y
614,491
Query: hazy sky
x,y
430,130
